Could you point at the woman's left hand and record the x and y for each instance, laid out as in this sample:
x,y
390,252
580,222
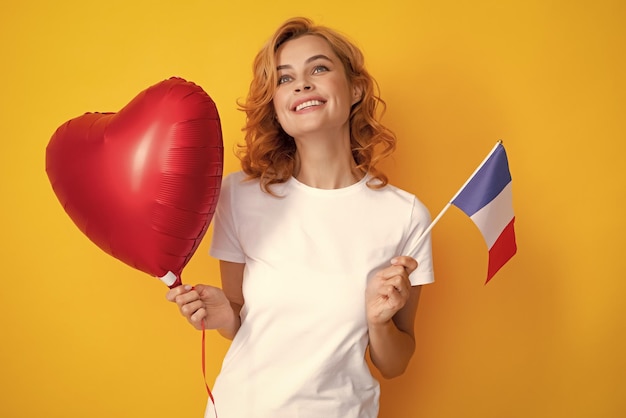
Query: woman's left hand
x,y
388,291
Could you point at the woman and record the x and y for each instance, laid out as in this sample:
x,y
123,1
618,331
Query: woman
x,y
318,254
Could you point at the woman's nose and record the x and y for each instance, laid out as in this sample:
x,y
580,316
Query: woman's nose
x,y
303,87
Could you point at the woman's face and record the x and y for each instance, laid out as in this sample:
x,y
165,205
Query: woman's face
x,y
313,94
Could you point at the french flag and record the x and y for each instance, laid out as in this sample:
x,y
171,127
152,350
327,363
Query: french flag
x,y
487,199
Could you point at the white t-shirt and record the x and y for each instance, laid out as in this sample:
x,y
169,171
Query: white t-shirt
x,y
300,351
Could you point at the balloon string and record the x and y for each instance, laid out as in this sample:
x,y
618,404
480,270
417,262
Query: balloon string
x,y
204,367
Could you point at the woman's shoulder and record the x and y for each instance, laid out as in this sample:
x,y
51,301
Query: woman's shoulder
x,y
234,177
238,179
393,190
403,197
238,185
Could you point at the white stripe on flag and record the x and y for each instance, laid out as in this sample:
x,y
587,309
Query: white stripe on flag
x,y
492,218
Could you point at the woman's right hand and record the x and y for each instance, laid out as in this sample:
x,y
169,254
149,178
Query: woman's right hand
x,y
203,303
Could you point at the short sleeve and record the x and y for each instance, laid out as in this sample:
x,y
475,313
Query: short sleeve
x,y
420,250
225,244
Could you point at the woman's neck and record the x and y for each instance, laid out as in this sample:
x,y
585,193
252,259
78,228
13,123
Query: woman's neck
x,y
325,164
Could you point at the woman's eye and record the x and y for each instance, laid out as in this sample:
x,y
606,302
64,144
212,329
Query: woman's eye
x,y
283,79
319,69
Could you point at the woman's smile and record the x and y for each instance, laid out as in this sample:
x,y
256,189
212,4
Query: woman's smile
x,y
308,104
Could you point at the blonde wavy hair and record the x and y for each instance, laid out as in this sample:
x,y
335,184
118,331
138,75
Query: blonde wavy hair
x,y
269,152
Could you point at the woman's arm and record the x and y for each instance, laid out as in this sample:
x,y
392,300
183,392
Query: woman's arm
x,y
217,308
232,281
391,308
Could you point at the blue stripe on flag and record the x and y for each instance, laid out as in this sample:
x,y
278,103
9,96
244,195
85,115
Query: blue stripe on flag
x,y
486,184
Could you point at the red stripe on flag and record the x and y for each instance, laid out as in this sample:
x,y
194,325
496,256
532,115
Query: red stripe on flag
x,y
502,250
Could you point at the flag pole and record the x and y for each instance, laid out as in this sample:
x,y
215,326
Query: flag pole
x,y
447,206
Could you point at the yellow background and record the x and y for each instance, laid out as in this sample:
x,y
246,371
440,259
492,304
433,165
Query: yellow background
x,y
83,335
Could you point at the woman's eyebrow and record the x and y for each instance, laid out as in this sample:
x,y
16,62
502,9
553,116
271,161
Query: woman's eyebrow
x,y
309,60
317,57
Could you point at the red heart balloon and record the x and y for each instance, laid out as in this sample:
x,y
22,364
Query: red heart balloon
x,y
143,183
